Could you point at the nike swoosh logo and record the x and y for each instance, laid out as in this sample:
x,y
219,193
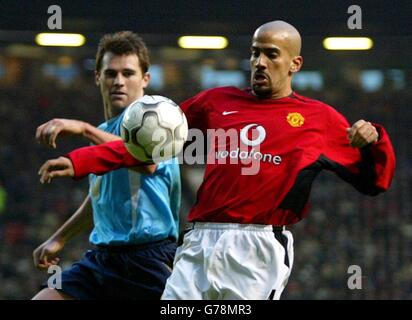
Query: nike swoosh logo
x,y
225,113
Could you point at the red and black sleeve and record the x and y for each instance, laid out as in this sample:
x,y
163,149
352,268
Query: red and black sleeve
x,y
369,169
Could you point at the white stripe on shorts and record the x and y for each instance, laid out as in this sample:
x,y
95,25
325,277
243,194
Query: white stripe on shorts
x,y
233,226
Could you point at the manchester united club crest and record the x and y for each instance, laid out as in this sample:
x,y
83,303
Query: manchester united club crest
x,y
295,119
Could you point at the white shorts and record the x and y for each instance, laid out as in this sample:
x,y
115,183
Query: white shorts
x,y
220,261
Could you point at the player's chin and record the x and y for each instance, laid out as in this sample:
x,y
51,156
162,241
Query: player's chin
x,y
119,103
262,92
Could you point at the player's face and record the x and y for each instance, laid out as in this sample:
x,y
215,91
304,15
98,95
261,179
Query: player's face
x,y
270,64
121,81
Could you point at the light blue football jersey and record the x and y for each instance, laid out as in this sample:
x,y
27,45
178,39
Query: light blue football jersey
x,y
133,208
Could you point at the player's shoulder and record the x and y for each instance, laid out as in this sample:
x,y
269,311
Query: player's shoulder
x,y
112,122
104,125
307,100
323,106
328,112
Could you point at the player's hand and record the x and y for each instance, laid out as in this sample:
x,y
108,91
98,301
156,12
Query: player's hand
x,y
60,167
45,255
47,133
361,134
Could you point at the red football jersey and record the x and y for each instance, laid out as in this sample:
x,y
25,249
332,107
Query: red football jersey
x,y
263,173
298,137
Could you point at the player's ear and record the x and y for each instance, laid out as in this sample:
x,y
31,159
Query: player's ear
x,y
296,64
97,77
146,80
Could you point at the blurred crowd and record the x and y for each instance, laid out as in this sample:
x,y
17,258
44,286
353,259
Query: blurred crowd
x,y
343,228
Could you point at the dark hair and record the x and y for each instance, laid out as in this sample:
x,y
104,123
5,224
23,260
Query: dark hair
x,y
123,42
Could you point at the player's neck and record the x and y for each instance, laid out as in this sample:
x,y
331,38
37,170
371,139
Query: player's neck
x,y
107,113
110,112
283,93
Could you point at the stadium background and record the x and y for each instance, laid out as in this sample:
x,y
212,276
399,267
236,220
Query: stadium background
x,y
343,227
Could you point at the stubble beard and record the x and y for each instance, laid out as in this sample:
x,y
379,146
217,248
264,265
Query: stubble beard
x,y
262,92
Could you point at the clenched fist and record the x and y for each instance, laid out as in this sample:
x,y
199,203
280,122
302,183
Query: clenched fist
x,y
362,133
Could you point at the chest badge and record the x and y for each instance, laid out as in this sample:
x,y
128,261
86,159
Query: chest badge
x,y
295,119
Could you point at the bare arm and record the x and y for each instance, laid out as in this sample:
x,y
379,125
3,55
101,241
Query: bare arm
x,y
98,136
81,221
48,132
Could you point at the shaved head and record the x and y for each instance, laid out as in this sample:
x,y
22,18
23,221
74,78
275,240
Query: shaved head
x,y
285,31
275,58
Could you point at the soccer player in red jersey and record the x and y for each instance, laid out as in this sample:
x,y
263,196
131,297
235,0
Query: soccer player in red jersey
x,y
238,247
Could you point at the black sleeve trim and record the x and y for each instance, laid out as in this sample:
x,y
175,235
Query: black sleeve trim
x,y
298,195
364,182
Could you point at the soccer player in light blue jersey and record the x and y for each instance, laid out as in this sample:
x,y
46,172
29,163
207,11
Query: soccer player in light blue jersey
x,y
134,213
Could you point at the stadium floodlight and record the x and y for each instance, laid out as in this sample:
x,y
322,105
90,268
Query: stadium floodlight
x,y
347,43
202,42
60,39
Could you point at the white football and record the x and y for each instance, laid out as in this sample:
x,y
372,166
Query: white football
x,y
154,129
